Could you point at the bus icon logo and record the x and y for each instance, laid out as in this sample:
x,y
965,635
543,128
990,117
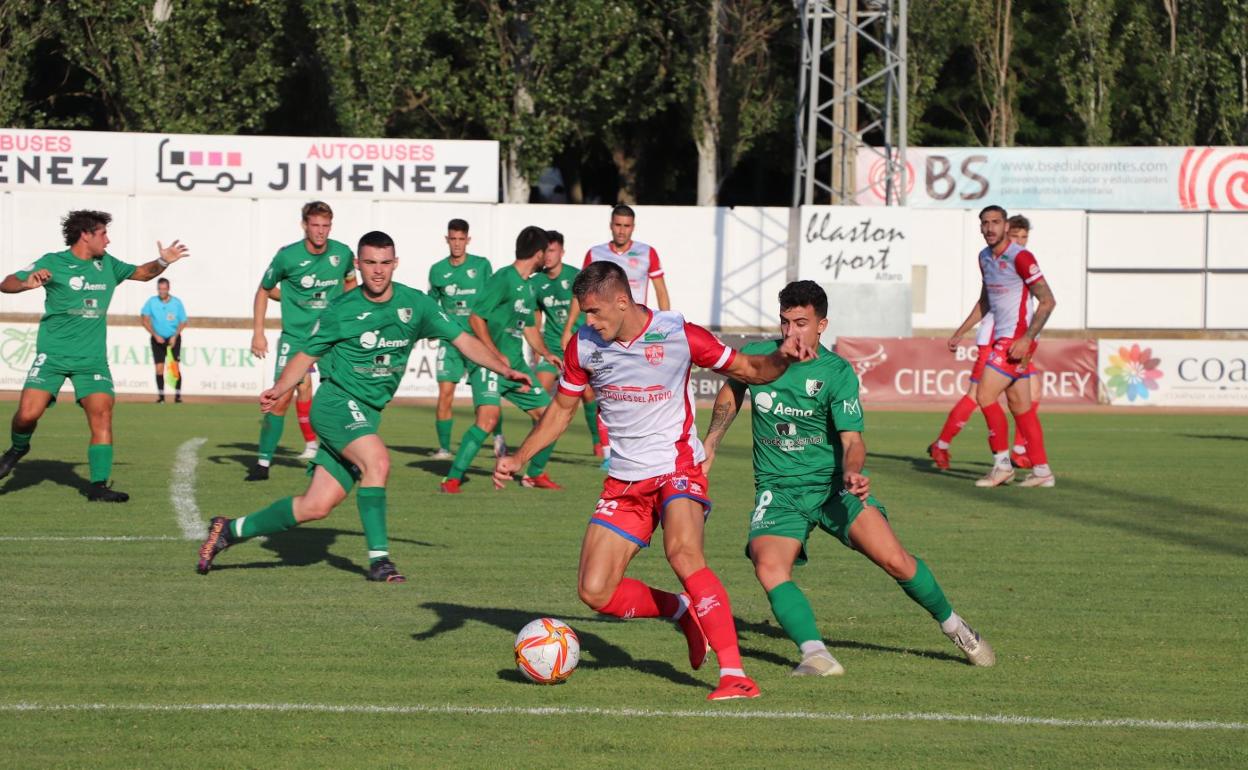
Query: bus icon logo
x,y
188,168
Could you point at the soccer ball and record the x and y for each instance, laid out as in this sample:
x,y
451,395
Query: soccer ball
x,y
547,651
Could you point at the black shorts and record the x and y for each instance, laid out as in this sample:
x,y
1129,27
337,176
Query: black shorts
x,y
159,350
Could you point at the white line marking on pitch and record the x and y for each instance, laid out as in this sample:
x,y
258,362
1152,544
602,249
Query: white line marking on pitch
x,y
87,538
182,490
328,708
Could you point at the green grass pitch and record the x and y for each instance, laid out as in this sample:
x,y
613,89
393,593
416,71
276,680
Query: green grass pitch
x,y
1121,594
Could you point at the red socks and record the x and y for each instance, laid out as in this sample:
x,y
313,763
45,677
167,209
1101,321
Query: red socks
x,y
710,602
1029,425
998,428
304,409
957,418
635,599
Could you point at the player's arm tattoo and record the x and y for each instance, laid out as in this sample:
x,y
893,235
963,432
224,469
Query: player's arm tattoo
x,y
727,404
1044,307
147,271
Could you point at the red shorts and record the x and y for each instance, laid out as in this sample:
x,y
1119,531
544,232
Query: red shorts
x,y
999,359
981,360
634,509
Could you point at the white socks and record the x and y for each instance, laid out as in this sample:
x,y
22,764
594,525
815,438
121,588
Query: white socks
x,y
951,623
810,648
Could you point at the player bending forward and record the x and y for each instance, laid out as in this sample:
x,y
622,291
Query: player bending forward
x,y
638,363
806,476
364,339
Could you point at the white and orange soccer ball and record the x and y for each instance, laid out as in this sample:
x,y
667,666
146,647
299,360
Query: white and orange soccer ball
x,y
547,651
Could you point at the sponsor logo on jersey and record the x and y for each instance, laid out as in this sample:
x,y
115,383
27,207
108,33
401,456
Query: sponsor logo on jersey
x,y
654,354
564,284
381,360
308,281
633,262
363,315
813,387
405,314
470,272
99,264
451,289
448,275
373,339
654,336
765,402
851,407
1033,269
519,307
78,283
333,260
595,357
680,483
305,263
785,429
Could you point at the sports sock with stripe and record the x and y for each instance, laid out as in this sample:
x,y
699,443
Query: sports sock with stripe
x,y
635,599
20,441
794,612
278,516
710,602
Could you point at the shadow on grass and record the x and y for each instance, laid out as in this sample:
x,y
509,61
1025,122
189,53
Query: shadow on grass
x,y
602,654
765,628
925,465
1214,436
29,473
306,546
247,458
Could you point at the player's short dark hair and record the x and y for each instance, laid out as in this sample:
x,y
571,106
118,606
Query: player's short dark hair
x,y
554,236
1019,222
994,207
803,294
605,279
376,239
165,281
530,242
317,209
83,222
457,225
622,210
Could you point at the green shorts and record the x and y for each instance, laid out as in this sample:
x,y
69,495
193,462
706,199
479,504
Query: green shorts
x,y
451,363
488,389
796,511
339,419
287,347
90,375
545,366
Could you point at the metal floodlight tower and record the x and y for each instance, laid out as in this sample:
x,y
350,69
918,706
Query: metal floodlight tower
x,y
852,87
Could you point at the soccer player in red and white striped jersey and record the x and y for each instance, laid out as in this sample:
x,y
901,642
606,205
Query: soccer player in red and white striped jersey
x,y
1012,278
638,363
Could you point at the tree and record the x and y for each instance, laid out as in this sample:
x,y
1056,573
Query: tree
x,y
936,29
992,40
21,29
387,74
1091,56
197,67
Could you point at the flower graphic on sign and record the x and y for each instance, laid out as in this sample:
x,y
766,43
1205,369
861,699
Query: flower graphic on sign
x,y
1132,372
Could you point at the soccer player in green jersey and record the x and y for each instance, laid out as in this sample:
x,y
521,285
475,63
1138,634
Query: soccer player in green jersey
x,y
307,275
78,286
502,318
809,460
553,290
363,341
454,282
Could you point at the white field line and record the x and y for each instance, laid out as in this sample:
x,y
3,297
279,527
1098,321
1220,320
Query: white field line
x,y
810,716
182,490
87,538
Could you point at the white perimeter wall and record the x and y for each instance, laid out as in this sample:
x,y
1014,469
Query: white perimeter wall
x,y
724,266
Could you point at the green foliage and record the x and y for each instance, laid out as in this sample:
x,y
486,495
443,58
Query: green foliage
x,y
207,67
22,27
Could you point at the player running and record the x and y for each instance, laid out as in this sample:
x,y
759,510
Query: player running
x,y
454,282
364,339
809,460
307,275
502,318
640,262
638,363
1020,229
553,290
78,286
1011,278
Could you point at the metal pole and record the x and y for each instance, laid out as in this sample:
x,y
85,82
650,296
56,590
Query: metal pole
x,y
903,123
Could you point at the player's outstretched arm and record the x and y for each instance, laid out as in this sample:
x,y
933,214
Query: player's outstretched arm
x,y
727,404
482,331
533,335
14,285
165,256
554,422
476,351
292,375
757,369
574,312
854,459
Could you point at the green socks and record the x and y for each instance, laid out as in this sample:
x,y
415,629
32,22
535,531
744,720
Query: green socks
x,y
278,517
591,421
21,441
270,434
925,591
538,463
792,609
469,445
372,502
99,460
444,433
498,428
